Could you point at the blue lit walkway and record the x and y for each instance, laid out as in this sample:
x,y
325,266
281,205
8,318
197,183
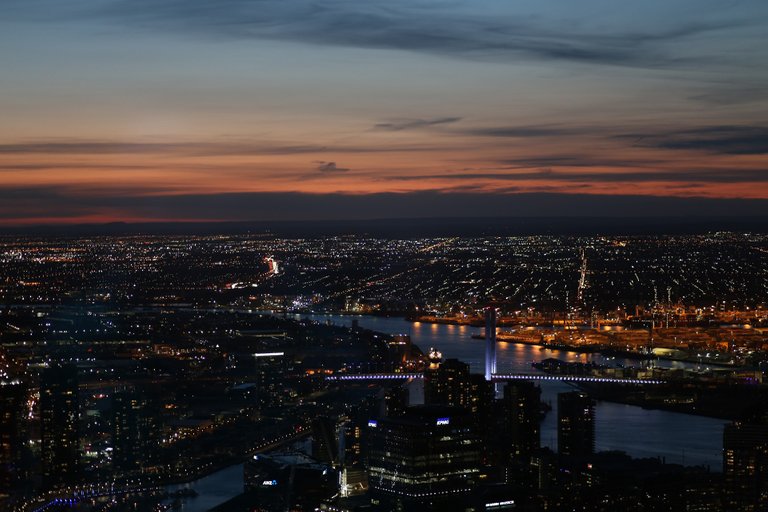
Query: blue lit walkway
x,y
105,490
96,492
500,377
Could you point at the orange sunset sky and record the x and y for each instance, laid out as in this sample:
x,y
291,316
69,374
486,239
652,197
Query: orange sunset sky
x,y
237,110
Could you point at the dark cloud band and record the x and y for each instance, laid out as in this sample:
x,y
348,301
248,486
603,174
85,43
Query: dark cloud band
x,y
26,204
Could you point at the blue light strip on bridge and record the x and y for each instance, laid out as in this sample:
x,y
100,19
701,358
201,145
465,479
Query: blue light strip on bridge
x,y
572,378
499,377
377,376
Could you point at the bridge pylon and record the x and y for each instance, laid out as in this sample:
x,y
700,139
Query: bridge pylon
x,y
490,342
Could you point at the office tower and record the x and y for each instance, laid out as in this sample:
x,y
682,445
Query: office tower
x,y
396,400
490,342
745,465
480,396
575,424
350,435
134,427
451,384
399,349
12,402
324,444
427,457
521,412
59,429
447,383
481,407
269,376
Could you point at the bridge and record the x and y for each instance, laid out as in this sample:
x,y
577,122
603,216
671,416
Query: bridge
x,y
500,377
490,367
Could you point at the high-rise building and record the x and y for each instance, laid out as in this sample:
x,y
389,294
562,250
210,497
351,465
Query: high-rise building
x,y
324,444
134,427
396,400
575,424
480,397
12,402
269,374
430,457
399,349
521,412
448,383
745,465
350,436
483,411
451,384
59,429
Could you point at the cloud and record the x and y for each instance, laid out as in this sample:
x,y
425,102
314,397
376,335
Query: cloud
x,y
50,166
576,161
734,140
27,204
519,131
330,168
409,124
490,131
193,148
122,147
547,174
732,95
418,26
726,139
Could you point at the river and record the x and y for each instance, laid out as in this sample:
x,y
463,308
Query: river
x,y
679,438
212,490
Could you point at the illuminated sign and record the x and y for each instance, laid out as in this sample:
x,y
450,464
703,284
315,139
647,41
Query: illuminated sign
x,y
269,483
269,354
443,421
499,504
373,423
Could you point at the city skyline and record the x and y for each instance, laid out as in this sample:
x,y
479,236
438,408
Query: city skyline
x,y
171,111
362,256
240,372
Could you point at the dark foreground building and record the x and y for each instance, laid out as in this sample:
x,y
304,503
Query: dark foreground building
x,y
745,464
12,402
135,426
429,457
285,481
59,429
521,408
575,424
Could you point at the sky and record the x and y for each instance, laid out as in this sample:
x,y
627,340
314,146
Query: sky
x,y
202,110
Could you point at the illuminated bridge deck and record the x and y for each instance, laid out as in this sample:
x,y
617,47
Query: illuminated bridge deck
x,y
501,377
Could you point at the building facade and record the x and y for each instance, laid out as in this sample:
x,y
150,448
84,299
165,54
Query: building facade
x,y
429,456
59,427
575,424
